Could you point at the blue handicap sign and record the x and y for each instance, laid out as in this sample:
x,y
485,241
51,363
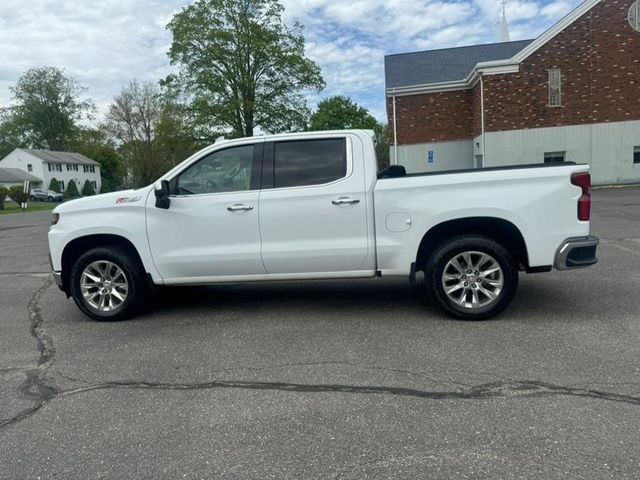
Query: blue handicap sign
x,y
430,156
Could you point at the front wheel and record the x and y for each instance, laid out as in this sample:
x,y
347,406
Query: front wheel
x,y
107,283
472,277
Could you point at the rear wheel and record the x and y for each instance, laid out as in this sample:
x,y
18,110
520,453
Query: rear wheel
x,y
50,198
472,277
107,283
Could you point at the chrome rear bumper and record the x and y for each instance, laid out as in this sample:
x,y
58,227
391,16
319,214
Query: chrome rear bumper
x,y
577,252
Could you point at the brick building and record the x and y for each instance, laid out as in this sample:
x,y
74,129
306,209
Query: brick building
x,y
571,94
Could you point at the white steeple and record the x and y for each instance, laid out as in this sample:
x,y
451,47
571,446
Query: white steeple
x,y
504,28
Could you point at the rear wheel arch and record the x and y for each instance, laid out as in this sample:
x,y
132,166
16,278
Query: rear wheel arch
x,y
78,246
498,229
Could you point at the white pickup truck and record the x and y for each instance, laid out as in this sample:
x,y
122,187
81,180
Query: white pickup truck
x,y
314,206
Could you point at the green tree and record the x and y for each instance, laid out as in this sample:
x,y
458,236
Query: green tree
x,y
54,185
87,189
10,134
382,145
131,120
150,131
3,195
47,107
17,194
175,141
71,191
338,113
97,145
240,67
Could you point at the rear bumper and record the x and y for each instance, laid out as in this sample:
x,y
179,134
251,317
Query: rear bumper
x,y
577,252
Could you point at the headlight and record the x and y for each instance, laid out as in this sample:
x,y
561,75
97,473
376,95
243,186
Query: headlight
x,y
54,218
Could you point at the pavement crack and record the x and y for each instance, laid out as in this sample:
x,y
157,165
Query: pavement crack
x,y
34,387
45,342
509,389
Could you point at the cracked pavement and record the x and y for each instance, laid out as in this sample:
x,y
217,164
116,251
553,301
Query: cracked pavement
x,y
331,379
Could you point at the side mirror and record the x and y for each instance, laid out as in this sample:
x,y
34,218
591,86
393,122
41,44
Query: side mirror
x,y
162,195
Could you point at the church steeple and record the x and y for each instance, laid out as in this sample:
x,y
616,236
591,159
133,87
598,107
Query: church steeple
x,y
504,28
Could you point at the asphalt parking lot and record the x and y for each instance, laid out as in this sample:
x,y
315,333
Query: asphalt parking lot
x,y
332,379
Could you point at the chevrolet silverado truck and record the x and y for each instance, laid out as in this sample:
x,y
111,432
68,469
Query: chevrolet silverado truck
x,y
314,206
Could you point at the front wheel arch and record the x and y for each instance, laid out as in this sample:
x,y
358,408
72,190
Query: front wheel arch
x,y
78,246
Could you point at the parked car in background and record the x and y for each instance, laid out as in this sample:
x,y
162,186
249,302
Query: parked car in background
x,y
45,195
313,206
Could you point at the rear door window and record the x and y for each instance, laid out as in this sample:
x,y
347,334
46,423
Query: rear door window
x,y
309,162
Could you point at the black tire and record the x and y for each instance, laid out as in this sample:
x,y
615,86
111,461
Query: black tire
x,y
50,199
32,198
447,251
133,271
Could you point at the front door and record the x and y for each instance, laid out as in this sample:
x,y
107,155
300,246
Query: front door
x,y
211,227
313,218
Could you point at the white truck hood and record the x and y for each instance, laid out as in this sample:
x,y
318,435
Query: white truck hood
x,y
105,200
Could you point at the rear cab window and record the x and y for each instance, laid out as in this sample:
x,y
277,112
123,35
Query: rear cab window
x,y
298,163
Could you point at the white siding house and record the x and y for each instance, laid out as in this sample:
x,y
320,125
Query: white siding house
x,y
63,166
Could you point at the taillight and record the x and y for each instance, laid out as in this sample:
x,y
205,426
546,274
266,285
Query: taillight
x,y
583,180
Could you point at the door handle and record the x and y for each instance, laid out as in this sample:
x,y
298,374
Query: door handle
x,y
345,201
237,207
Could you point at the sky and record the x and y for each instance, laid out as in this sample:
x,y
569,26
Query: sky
x,y
104,44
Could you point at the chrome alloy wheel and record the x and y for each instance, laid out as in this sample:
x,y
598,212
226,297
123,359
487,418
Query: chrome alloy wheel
x,y
104,286
472,279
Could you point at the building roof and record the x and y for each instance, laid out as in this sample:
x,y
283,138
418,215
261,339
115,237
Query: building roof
x,y
444,65
16,175
60,157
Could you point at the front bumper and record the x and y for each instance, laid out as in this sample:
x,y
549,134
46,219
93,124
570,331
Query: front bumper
x,y
577,252
57,277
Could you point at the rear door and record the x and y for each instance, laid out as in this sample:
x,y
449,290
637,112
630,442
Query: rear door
x,y
312,206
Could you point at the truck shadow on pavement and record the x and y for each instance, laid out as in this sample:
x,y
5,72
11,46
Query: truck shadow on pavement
x,y
362,297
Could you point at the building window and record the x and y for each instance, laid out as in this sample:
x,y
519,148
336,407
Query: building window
x,y
61,185
554,157
94,184
636,155
89,169
555,87
49,166
634,16
29,167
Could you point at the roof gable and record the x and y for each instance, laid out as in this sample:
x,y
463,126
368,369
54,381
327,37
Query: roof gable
x,y
59,157
454,68
444,65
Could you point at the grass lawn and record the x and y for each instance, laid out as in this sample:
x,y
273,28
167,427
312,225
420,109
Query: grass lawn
x,y
12,207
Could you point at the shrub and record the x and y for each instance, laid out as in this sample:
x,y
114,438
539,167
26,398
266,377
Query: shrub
x,y
3,194
54,185
87,189
72,190
17,194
